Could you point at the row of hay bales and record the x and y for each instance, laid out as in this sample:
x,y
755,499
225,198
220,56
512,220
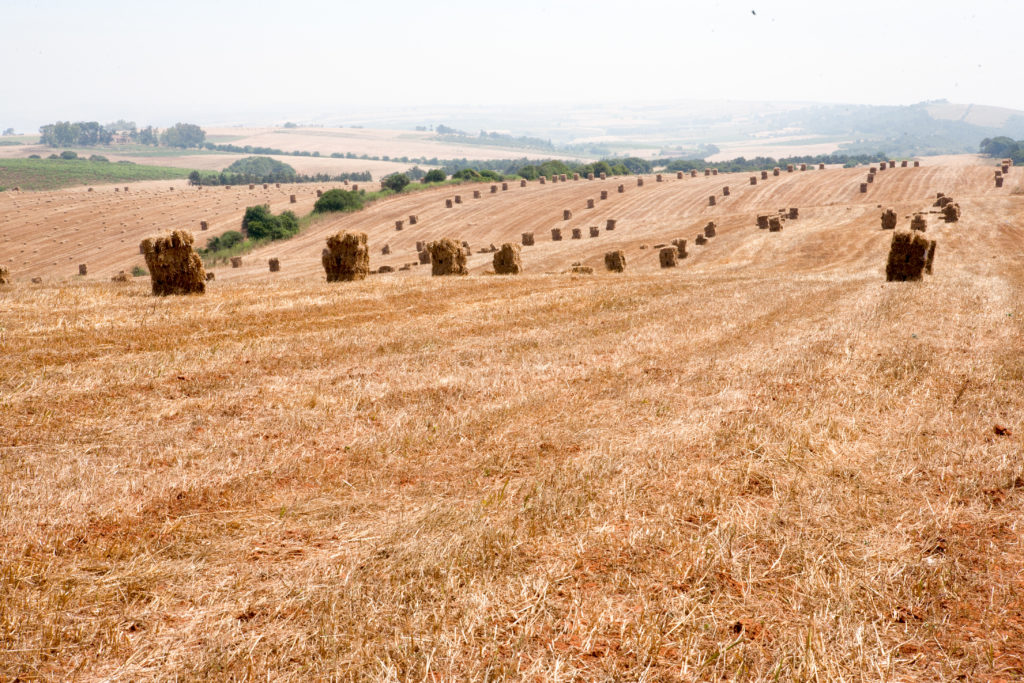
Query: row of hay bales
x,y
774,222
873,170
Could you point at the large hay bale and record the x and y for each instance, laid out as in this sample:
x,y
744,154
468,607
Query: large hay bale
x,y
319,193
903,164
399,224
174,266
680,244
700,240
528,239
476,194
5,276
622,188
764,176
753,180
590,176
714,171
543,180
556,234
693,173
762,222
916,163
604,176
494,189
590,203
774,224
266,186
522,183
275,265
892,164
873,170
803,167
291,199
251,186
1005,168
929,258
711,200
871,177
386,269
918,223
789,168
794,213
609,224
604,194
420,246
881,167
667,257
951,212
707,172
615,261
507,260
236,261
658,178
346,258
725,191
595,231
575,176
203,225
566,214
458,199
709,229
447,257
448,203
563,178
908,255
577,233
679,175
504,187
999,181
889,219
863,187
776,171
413,219
821,167
83,269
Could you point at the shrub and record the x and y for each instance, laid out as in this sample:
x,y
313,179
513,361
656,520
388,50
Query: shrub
x,y
139,271
338,200
33,156
395,182
435,175
100,158
225,241
67,154
259,223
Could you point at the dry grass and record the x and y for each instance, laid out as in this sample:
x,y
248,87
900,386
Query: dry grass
x,y
639,476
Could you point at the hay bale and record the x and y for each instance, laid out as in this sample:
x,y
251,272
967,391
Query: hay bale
x,y
803,167
916,163
522,183
889,219
579,269
892,164
447,257
604,176
278,185
346,258
275,265
1006,168
908,255
863,187
794,213
291,199
951,212
448,203
700,240
764,176
667,257
693,173
821,167
917,224
590,176
707,172
590,203
881,167
871,177
236,261
251,186
711,200
543,180
680,244
595,231
604,194
657,178
528,239
385,250
615,261
679,175
709,229
774,224
577,233
174,266
413,219
121,276
609,224
999,181
929,258
621,189
563,178
266,186
203,225
725,191
753,180
714,171
423,255
83,269
355,188
507,260
476,194
575,176
458,199
566,214
762,222
5,276
903,164
776,171
37,280
789,168
494,189
386,269
556,234
319,193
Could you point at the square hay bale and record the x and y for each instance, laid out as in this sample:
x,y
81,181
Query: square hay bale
x,y
700,240
789,168
236,261
711,200
725,191
951,212
622,188
821,167
917,163
929,258
917,224
420,246
774,224
693,173
355,187
590,203
203,225
679,175
386,269
251,186
892,164
423,255
609,224
707,172
385,250
275,265
346,258
494,189
999,181
504,187
266,186
604,176
528,239
174,266
448,203
556,234
764,176
871,177
476,194
399,224
543,180
319,193
83,269
458,199
566,214
122,276
709,229
575,176
776,171
595,231
291,199
667,257
889,219
714,171
908,255
863,187
5,276
794,213
762,222
563,178
413,219
507,260
590,176
577,233
522,183
680,244
903,164
803,167
615,261
658,178
753,180
447,257
604,194
1005,168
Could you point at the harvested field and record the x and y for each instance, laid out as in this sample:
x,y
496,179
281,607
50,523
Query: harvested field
x,y
706,483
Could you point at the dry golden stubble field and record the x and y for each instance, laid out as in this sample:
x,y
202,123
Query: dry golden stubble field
x,y
782,469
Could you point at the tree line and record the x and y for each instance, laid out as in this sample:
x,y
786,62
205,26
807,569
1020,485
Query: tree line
x,y
93,133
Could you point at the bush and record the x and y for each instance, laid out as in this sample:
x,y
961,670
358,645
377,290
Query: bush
x,y
225,241
33,156
435,175
139,271
100,158
395,182
338,200
67,154
259,223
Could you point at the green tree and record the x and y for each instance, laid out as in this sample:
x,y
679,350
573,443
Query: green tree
x,y
395,182
434,175
183,135
338,200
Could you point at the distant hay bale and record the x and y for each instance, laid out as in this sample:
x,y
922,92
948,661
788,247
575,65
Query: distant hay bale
x,y
5,276
423,255
385,250
762,222
355,187
693,173
667,257
458,198
871,177
725,191
753,180
1006,168
275,265
590,176
714,171
700,240
711,200
590,203
494,189
37,280
252,186
386,269
889,219
399,224
951,212
776,171
999,181
319,193
556,234
789,168
413,219
236,261
873,170
794,213
543,180
527,239
918,223
609,224
291,199
908,255
83,269
680,244
917,163
821,167
203,225
709,229
658,178
604,194
447,257
566,214
595,231
892,164
863,187
575,176
278,185
476,194
266,186
604,176
774,224
707,172
504,187
420,246
764,176
929,258
998,173
174,266
522,183
90,189
903,164
803,167
121,276
615,261
346,258
577,233
507,260
448,203
563,178
679,175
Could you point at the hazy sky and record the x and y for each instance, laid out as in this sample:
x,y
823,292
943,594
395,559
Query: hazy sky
x,y
260,61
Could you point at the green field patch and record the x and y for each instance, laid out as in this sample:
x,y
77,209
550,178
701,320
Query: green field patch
x,y
53,174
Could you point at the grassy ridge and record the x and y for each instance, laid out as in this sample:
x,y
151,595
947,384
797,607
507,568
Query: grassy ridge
x,y
52,174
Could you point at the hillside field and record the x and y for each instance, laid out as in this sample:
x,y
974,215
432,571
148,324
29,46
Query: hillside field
x,y
766,463
52,174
